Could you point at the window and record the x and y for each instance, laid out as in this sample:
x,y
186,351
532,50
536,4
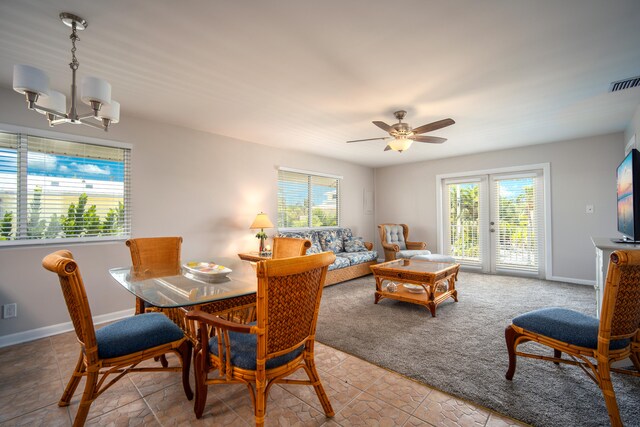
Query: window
x,y
308,200
52,189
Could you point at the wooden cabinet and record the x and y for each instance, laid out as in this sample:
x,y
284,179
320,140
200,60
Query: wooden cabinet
x,y
604,247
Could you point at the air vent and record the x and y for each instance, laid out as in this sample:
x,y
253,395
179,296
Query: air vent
x,y
625,84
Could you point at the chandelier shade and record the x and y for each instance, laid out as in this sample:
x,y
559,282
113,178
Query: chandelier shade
x,y
55,101
34,84
111,112
30,79
94,89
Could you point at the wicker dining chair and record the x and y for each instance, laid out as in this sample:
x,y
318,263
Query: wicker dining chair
x,y
286,247
117,348
591,344
153,254
279,343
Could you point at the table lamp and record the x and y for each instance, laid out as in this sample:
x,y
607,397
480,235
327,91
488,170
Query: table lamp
x,y
261,222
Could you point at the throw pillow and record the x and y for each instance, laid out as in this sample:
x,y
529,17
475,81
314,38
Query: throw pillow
x,y
355,244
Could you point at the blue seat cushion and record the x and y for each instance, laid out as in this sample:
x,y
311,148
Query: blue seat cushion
x,y
135,334
565,325
243,351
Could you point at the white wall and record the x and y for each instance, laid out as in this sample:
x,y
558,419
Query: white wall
x,y
206,188
583,171
633,129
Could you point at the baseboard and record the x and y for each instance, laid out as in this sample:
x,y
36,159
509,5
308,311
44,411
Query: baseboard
x,y
572,280
60,328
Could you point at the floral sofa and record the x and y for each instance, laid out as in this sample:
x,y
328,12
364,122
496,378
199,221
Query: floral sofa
x,y
353,255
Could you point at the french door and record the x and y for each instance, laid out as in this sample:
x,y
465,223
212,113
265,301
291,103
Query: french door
x,y
495,222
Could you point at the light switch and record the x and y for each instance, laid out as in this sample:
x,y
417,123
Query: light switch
x,y
589,209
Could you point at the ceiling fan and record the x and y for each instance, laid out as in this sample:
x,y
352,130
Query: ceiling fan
x,y
403,135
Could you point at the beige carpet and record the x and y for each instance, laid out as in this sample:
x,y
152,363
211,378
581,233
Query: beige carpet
x,y
462,350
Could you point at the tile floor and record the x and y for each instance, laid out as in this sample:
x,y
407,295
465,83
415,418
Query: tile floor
x,y
33,376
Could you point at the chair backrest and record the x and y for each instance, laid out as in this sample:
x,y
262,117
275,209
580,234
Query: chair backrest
x,y
394,234
75,296
288,301
286,247
155,254
620,315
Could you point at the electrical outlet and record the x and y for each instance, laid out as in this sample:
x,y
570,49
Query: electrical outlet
x,y
10,310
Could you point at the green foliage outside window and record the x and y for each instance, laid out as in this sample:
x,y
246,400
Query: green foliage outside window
x,y
79,221
516,219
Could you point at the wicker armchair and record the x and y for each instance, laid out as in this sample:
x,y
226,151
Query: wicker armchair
x,y
286,247
117,348
395,241
154,253
591,344
278,344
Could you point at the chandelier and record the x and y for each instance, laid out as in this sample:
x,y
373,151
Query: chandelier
x,y
95,92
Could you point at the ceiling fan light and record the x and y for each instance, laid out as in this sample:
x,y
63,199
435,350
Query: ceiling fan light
x,y
95,89
400,144
110,112
30,79
55,101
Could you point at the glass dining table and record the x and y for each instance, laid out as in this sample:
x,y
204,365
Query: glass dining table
x,y
226,287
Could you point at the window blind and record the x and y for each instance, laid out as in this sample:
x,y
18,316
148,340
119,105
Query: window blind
x,y
518,212
463,240
57,189
307,200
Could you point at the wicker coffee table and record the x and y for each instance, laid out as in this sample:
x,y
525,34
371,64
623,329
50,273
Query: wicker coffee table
x,y
437,280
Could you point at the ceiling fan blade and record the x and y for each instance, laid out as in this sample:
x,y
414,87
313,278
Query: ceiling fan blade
x,y
431,139
382,125
433,126
370,139
387,148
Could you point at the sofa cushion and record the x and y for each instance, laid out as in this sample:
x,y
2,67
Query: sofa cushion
x,y
310,235
354,244
358,257
395,235
340,262
331,240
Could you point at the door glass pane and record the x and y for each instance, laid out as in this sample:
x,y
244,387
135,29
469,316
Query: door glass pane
x,y
517,224
464,216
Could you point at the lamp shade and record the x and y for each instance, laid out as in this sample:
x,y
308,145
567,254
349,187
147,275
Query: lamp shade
x,y
95,89
55,101
400,144
110,111
261,221
30,79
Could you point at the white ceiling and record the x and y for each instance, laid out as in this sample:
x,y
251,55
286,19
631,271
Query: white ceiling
x,y
310,75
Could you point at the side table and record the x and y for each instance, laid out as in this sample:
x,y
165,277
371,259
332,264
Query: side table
x,y
252,256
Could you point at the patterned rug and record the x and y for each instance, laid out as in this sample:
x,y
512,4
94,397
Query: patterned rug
x,y
462,350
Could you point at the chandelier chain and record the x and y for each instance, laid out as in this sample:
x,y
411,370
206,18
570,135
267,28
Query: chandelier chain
x,y
74,37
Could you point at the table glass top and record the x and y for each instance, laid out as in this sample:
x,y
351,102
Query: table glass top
x,y
194,284
414,265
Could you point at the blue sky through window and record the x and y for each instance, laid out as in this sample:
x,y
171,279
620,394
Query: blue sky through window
x,y
56,165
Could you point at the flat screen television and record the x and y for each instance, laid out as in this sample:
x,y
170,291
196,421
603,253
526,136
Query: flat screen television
x,y
628,183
